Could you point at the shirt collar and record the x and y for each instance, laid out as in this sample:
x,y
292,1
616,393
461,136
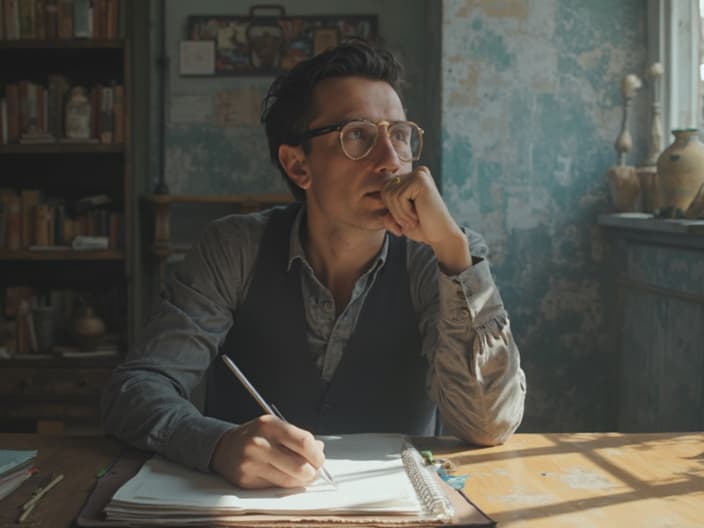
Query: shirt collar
x,y
296,251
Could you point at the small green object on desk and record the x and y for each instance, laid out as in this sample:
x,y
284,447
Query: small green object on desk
x,y
427,455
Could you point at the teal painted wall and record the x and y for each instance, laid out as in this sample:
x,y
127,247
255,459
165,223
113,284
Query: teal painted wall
x,y
530,111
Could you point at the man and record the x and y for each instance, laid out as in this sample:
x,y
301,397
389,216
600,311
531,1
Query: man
x,y
361,308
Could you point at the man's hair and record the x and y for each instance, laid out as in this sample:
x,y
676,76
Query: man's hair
x,y
287,108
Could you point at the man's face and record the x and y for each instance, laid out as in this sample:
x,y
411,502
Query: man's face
x,y
341,191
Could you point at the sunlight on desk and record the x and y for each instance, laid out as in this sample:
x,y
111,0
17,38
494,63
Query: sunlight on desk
x,y
589,480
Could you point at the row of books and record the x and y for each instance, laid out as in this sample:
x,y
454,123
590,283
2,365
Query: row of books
x,y
28,220
34,321
33,113
59,19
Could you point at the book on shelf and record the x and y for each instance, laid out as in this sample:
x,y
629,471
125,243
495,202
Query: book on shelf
x,y
27,16
64,13
11,14
40,19
12,96
106,114
51,19
82,19
83,243
4,134
58,87
13,221
44,225
31,220
26,331
2,223
62,19
118,114
29,200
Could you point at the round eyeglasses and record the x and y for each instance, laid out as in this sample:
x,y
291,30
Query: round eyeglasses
x,y
358,137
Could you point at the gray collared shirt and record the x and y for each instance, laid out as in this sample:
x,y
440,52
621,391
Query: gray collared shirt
x,y
474,370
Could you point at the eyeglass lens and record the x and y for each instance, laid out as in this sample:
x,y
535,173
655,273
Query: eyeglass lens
x,y
359,137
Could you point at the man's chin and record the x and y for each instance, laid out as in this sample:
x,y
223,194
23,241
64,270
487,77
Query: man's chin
x,y
377,220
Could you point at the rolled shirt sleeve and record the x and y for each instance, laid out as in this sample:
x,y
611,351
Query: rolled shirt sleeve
x,y
475,375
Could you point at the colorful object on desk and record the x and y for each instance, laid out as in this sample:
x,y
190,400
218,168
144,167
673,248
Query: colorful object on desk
x,y
427,455
443,468
454,481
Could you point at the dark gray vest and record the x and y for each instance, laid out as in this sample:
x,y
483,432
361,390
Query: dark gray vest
x,y
379,385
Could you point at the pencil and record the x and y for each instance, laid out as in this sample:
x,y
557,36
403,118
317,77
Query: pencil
x,y
28,506
269,409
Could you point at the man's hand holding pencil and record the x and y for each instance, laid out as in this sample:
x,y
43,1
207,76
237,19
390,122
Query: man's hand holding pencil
x,y
268,451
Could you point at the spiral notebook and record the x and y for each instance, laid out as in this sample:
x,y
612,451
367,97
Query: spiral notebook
x,y
381,480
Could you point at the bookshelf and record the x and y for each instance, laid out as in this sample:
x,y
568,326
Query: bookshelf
x,y
63,149
74,194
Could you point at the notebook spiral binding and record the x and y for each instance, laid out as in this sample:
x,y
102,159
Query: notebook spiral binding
x,y
427,488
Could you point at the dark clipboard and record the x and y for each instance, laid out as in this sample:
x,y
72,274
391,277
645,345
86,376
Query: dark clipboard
x,y
467,514
268,42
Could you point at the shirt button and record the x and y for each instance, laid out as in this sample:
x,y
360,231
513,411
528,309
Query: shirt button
x,y
327,305
465,312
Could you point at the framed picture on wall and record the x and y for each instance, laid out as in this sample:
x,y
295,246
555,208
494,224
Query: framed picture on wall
x,y
267,42
325,38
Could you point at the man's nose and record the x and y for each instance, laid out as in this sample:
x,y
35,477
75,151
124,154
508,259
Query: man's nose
x,y
385,154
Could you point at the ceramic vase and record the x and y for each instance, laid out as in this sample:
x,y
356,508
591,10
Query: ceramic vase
x,y
624,187
87,328
680,171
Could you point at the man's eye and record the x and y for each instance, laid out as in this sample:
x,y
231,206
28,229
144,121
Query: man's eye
x,y
400,134
357,134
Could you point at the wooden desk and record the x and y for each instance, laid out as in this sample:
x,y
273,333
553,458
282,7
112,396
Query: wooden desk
x,y
581,480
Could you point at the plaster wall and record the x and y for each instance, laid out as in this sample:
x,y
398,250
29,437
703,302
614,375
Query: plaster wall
x,y
531,106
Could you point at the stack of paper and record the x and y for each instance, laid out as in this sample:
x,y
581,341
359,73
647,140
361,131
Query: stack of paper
x,y
15,468
369,471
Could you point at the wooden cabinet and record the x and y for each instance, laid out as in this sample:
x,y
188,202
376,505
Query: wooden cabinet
x,y
47,384
50,394
655,285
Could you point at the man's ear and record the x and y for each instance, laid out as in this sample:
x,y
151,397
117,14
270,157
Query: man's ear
x,y
293,160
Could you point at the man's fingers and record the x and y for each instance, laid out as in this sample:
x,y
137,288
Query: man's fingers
x,y
303,444
268,452
392,225
397,198
294,451
298,468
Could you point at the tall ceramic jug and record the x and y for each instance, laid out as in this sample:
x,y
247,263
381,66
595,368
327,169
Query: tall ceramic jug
x,y
680,170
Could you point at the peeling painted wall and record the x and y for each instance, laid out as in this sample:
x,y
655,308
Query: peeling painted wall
x,y
531,107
